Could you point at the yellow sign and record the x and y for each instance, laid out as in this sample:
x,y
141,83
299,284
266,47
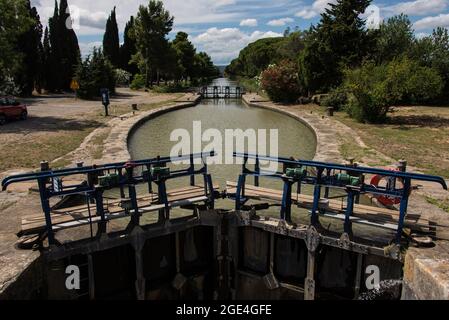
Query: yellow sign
x,y
74,85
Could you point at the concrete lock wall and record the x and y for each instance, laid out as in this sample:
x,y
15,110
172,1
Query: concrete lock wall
x,y
213,257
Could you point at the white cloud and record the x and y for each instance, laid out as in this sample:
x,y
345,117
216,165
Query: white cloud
x,y
280,22
441,20
417,7
86,48
225,44
248,23
318,7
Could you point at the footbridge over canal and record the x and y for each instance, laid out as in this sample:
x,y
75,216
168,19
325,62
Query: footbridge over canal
x,y
226,92
213,253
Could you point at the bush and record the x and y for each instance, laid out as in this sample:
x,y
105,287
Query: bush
x,y
93,74
281,82
373,89
337,99
138,82
122,77
170,88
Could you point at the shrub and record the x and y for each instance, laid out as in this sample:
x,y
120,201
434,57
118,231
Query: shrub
x,y
93,74
281,82
138,82
122,77
373,89
337,99
170,88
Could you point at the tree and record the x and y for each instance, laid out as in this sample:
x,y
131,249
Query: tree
x,y
14,20
204,67
281,82
64,52
395,38
433,51
255,58
340,39
152,25
29,44
93,74
128,49
186,54
111,42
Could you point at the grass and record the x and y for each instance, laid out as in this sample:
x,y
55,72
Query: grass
x,y
442,204
419,135
117,111
31,149
28,154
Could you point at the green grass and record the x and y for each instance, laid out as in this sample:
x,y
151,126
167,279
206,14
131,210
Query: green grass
x,y
419,135
442,204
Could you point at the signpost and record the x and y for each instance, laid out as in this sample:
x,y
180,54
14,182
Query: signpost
x,y
105,100
74,85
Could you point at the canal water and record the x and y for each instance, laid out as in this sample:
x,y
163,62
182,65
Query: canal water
x,y
294,139
153,138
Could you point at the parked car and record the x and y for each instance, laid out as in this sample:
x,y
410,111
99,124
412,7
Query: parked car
x,y
10,108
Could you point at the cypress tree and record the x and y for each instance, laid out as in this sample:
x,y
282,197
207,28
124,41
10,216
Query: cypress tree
x,y
128,49
68,42
46,61
111,42
29,45
54,59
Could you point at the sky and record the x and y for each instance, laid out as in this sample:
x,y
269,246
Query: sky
x,y
223,27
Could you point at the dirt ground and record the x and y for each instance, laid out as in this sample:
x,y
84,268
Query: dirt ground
x,y
58,124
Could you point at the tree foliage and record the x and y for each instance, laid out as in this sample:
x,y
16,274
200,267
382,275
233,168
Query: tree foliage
x,y
339,40
93,74
111,42
281,83
151,27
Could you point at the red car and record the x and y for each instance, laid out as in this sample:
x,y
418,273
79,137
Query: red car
x,y
10,108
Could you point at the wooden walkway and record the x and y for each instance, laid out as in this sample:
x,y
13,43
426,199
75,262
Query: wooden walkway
x,y
75,216
334,208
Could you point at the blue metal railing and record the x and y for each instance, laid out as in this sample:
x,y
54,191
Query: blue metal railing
x,y
129,175
324,175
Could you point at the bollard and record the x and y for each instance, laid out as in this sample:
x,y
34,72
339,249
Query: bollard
x,y
45,166
330,112
402,166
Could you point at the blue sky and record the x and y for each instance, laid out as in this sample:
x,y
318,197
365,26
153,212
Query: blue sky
x,y
223,27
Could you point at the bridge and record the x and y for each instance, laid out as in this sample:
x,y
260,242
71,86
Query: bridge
x,y
233,244
225,92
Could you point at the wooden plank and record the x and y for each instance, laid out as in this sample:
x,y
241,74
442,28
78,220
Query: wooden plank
x,y
335,206
67,217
